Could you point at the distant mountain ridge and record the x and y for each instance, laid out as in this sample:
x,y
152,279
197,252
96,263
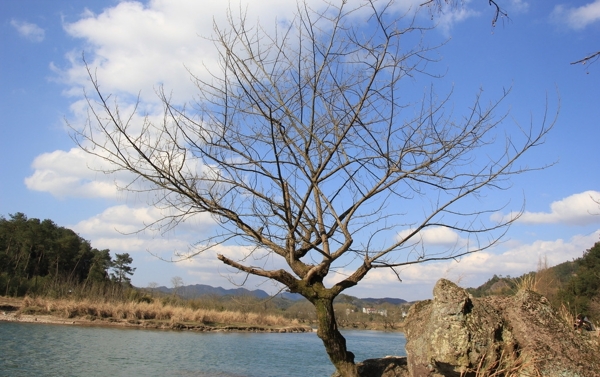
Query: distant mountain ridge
x,y
379,301
199,290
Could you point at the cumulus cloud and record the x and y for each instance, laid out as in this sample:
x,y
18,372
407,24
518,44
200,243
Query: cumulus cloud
x,y
118,220
577,209
133,48
73,174
131,229
579,17
76,173
29,31
476,268
435,236
472,270
121,229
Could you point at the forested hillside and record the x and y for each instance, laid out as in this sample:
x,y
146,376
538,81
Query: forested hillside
x,y
40,256
572,285
582,291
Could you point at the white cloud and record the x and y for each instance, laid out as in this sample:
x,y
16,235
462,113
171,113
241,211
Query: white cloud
x,y
76,173
577,18
123,228
71,174
577,209
29,31
452,16
476,268
472,270
435,236
134,47
119,228
518,6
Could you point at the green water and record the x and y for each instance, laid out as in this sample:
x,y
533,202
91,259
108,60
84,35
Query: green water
x,y
53,350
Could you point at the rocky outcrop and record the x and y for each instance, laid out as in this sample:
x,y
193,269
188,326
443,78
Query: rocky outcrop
x,y
389,366
522,335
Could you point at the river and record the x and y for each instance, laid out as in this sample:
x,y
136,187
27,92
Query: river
x,y
57,350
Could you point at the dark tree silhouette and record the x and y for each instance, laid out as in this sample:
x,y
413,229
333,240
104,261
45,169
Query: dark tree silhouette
x,y
35,254
122,269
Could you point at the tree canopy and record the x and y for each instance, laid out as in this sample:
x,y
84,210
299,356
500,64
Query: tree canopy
x,y
121,267
34,254
583,289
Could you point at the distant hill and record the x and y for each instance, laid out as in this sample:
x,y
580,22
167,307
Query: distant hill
x,y
572,286
379,301
561,275
199,290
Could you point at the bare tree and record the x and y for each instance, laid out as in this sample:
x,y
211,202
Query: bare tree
x,y
176,282
589,59
304,149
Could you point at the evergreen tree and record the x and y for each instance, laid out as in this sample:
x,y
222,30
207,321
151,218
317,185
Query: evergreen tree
x,y
122,269
585,285
37,254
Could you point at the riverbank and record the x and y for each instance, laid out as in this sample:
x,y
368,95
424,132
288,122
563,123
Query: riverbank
x,y
139,315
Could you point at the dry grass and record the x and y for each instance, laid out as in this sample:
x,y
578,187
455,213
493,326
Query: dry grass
x,y
507,365
566,314
527,283
543,281
148,311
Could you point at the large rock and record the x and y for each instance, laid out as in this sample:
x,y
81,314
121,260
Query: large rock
x,y
389,366
455,335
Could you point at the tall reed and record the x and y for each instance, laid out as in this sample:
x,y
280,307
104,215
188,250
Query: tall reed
x,y
156,310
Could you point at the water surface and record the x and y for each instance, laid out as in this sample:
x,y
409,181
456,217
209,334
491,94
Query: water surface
x,y
55,350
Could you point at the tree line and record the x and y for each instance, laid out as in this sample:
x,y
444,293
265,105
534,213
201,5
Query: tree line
x,y
39,256
582,290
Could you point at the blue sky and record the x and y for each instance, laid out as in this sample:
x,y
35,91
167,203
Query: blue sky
x,y
137,45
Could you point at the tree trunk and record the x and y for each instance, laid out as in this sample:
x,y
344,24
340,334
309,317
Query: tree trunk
x,y
335,343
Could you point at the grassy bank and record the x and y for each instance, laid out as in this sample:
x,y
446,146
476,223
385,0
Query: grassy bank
x,y
154,314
